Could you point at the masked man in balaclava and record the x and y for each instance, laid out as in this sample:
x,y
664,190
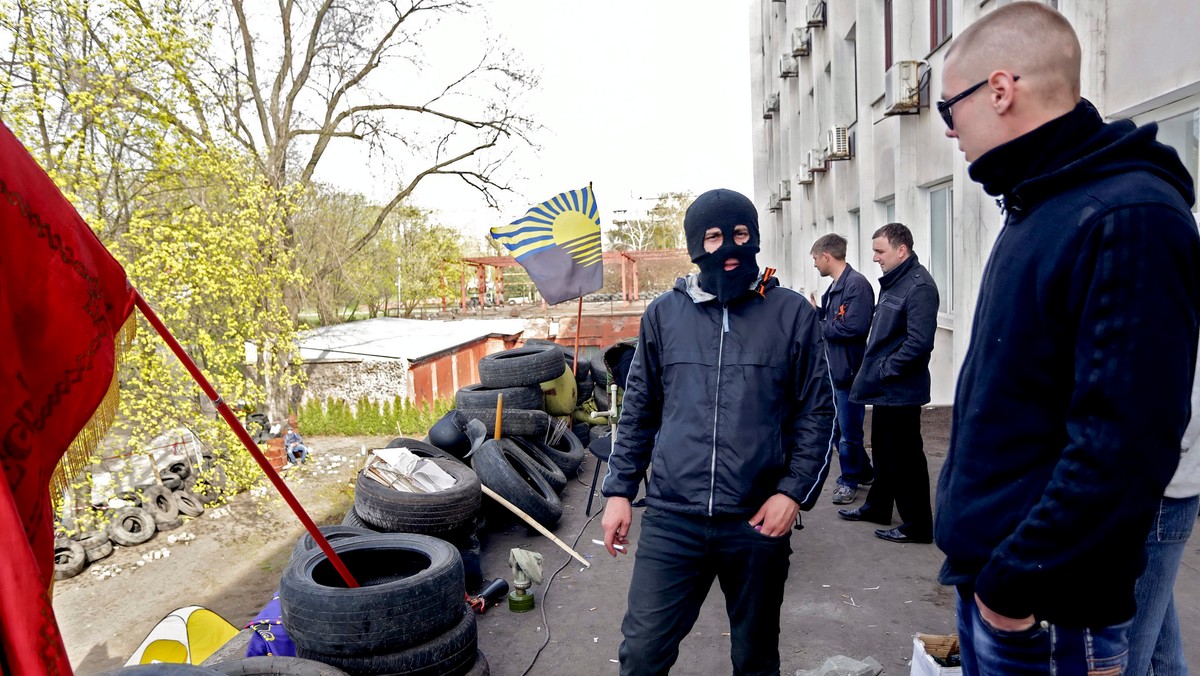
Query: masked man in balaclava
x,y
729,401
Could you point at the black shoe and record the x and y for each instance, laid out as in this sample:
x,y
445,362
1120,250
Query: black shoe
x,y
860,514
895,535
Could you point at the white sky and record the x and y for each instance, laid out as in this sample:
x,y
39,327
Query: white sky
x,y
639,97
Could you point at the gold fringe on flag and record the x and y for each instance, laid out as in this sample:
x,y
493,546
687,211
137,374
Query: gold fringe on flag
x,y
81,450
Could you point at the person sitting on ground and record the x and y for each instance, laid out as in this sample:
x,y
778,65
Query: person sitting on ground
x,y
294,446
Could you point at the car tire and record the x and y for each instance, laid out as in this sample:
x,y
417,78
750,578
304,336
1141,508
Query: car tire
x,y
502,467
69,558
131,526
451,652
190,504
549,470
101,551
513,422
529,365
411,592
478,396
160,503
274,665
440,514
331,533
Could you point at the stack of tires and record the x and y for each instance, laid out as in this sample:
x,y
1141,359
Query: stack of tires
x,y
451,514
407,616
536,455
151,509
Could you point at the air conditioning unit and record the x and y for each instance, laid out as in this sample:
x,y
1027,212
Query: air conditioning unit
x,y
788,66
773,203
771,106
785,190
902,88
801,42
805,177
838,143
816,13
816,161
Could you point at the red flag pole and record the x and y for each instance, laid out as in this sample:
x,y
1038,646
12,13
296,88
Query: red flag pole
x,y
240,431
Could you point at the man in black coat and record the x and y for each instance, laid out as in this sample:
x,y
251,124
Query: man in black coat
x,y
1074,393
845,312
894,379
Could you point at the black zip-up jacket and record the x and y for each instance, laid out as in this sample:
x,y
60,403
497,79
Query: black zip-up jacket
x,y
845,313
895,370
1074,393
729,404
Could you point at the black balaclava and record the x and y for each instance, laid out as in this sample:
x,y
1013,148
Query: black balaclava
x,y
723,209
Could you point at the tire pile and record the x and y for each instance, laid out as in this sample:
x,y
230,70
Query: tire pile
x,y
415,554
407,616
537,454
154,508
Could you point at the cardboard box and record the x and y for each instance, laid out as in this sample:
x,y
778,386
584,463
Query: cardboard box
x,y
925,646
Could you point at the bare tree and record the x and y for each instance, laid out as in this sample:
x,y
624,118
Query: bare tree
x,y
326,73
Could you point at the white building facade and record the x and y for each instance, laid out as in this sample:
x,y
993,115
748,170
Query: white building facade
x,y
846,137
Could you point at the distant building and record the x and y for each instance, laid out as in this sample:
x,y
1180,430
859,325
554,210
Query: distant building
x,y
417,360
845,138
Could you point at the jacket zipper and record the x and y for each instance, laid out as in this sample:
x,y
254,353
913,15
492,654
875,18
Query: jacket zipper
x,y
712,483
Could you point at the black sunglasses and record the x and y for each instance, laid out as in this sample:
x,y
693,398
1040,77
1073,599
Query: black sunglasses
x,y
943,107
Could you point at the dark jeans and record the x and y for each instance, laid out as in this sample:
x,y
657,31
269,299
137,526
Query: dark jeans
x,y
901,471
678,555
1044,648
848,435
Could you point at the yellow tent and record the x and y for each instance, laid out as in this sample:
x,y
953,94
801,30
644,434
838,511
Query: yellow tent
x,y
186,636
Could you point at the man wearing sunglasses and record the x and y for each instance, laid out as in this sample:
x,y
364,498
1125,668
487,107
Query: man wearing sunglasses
x,y
1074,393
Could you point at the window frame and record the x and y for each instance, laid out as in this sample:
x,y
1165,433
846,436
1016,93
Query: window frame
x,y
946,289
941,27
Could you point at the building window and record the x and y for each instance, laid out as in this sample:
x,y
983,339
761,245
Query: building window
x,y
887,35
941,260
1182,132
939,23
855,240
1179,127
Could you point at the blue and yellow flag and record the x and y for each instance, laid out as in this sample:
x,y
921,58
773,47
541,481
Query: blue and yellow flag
x,y
558,244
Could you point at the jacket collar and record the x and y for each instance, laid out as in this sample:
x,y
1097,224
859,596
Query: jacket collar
x,y
691,286
889,279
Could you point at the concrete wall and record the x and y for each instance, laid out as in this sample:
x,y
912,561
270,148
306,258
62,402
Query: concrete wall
x,y
377,380
1139,60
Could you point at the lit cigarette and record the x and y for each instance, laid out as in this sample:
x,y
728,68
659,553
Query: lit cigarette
x,y
601,543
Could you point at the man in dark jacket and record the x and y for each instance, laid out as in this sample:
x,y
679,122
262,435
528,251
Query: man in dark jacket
x,y
895,379
1074,393
845,313
728,399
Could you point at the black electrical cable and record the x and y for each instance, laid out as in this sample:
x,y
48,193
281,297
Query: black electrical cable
x,y
546,592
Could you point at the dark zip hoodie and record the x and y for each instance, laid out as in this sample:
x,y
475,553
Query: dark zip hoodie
x,y
1075,389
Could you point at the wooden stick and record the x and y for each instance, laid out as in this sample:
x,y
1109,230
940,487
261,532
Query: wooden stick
x,y
529,520
499,412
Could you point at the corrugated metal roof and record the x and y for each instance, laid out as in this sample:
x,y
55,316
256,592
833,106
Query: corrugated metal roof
x,y
393,338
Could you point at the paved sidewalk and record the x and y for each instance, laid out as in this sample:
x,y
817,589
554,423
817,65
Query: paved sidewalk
x,y
848,593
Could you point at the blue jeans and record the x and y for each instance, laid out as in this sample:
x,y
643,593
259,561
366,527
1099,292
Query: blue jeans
x,y
298,450
1044,648
1154,638
678,556
848,435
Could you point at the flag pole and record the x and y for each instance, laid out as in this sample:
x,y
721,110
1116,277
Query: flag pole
x,y
578,320
244,436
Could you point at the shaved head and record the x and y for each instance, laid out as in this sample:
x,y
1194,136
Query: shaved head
x,y
1016,69
1026,38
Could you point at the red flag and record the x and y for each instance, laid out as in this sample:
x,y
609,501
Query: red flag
x,y
64,302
